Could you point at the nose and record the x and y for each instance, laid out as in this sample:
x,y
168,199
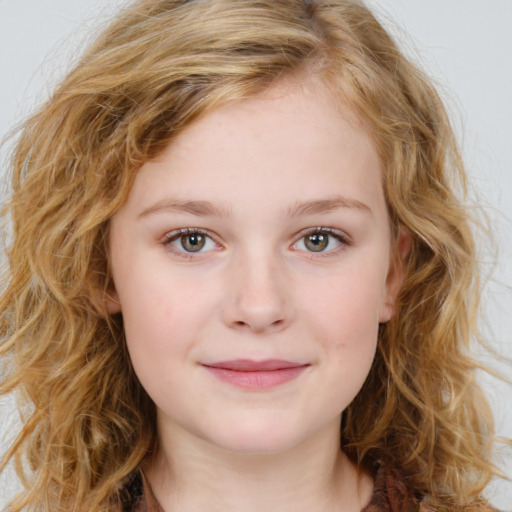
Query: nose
x,y
259,300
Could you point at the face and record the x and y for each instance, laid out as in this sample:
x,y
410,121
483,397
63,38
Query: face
x,y
252,267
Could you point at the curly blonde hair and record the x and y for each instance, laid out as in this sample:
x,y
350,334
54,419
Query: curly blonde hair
x,y
158,67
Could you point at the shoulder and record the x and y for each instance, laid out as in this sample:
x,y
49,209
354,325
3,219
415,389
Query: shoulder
x,y
137,495
393,493
426,506
132,495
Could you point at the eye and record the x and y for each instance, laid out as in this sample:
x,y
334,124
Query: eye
x,y
189,241
321,240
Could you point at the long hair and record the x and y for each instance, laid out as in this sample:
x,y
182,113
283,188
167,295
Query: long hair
x,y
158,67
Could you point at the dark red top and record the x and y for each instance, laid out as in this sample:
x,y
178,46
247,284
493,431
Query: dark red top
x,y
391,493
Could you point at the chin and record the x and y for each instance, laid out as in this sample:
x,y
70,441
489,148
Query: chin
x,y
258,437
261,446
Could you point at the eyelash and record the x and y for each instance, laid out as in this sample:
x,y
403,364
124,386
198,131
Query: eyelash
x,y
339,236
179,233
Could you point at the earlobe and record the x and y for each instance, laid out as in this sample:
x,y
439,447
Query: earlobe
x,y
386,313
112,303
396,274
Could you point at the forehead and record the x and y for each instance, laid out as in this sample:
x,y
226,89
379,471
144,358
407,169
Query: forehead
x,y
292,140
308,105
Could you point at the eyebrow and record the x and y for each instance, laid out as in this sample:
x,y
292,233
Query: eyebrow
x,y
199,208
209,209
323,206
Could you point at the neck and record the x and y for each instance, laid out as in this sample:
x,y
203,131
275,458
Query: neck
x,y
190,474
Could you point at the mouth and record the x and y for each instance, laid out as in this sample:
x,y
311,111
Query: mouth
x,y
256,375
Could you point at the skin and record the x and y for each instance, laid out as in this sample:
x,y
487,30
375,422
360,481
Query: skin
x,y
274,167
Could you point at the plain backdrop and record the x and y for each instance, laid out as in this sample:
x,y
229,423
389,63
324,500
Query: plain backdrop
x,y
465,45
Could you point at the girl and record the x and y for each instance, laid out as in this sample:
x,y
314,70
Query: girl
x,y
240,275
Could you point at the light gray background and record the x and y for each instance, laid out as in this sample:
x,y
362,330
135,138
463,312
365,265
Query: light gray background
x,y
465,45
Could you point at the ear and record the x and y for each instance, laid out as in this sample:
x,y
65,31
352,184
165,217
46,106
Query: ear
x,y
396,274
111,299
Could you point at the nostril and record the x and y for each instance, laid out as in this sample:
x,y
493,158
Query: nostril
x,y
256,309
277,324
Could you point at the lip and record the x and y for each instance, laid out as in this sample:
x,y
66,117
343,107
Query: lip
x,y
256,375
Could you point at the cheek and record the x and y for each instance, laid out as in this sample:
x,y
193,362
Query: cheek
x,y
342,313
155,337
164,316
158,301
345,302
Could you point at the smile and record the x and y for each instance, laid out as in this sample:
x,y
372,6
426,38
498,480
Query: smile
x,y
256,375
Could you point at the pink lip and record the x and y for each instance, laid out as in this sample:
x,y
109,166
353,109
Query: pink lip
x,y
256,375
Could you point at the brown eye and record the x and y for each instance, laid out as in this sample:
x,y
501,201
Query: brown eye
x,y
322,241
316,242
193,242
189,242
